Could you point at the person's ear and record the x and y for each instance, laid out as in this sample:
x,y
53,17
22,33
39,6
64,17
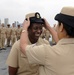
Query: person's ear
x,y
61,27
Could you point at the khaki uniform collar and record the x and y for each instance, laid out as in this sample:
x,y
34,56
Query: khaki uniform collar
x,y
66,41
35,43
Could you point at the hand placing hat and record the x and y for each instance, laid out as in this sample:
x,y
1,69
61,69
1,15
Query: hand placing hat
x,y
26,24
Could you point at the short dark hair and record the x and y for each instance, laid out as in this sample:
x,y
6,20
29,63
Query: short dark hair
x,y
69,29
8,24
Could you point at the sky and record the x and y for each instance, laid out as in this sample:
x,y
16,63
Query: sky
x,y
16,10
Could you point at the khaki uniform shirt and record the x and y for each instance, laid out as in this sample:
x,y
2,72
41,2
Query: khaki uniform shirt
x,y
13,31
8,32
47,33
43,33
0,32
56,60
18,31
3,31
0,37
17,59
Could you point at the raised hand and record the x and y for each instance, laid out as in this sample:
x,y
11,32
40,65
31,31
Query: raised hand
x,y
26,24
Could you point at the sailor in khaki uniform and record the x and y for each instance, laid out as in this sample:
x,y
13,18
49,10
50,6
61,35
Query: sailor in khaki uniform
x,y
0,38
47,35
18,32
53,42
43,33
17,61
3,36
57,59
8,32
0,41
13,34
